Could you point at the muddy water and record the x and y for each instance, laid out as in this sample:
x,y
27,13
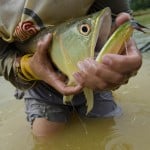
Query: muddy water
x,y
131,131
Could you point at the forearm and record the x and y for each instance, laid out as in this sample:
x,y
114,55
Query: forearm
x,y
8,55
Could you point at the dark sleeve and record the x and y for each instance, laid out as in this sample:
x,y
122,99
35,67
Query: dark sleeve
x,y
6,59
8,54
117,6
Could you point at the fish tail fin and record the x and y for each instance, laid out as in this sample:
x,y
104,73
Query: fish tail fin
x,y
90,99
68,98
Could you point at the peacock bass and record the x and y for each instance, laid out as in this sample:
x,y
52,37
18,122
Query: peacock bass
x,y
76,39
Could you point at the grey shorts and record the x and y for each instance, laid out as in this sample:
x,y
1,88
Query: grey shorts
x,y
104,106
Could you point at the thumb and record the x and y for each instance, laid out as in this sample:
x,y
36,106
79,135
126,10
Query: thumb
x,y
121,18
132,48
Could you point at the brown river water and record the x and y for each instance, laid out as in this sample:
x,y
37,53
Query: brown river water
x,y
131,131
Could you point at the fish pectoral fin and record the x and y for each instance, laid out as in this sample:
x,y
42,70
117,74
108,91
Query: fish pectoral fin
x,y
89,99
67,99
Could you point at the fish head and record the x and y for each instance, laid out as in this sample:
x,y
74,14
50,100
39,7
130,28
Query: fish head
x,y
76,40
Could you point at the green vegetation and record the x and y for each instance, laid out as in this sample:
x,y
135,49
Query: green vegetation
x,y
142,12
140,4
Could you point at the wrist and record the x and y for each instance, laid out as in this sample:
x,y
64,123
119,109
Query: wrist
x,y
26,69
23,69
18,71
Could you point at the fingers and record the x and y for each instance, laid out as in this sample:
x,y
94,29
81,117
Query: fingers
x,y
94,82
68,90
102,78
97,76
87,64
58,82
88,70
62,87
110,76
124,63
132,48
98,71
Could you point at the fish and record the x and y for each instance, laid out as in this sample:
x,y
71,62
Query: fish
x,y
73,41
78,39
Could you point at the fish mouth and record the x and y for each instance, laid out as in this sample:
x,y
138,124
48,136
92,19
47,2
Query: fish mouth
x,y
102,30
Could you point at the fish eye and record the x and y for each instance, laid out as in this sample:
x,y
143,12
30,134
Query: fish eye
x,y
85,29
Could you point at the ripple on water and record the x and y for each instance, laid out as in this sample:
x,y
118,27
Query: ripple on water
x,y
117,142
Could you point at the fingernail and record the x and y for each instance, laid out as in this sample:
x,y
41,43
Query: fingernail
x,y
106,60
75,74
47,35
77,77
79,64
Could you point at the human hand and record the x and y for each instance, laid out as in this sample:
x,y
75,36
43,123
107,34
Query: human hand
x,y
41,66
114,70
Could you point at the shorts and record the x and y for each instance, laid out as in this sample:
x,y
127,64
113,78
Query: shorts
x,y
104,106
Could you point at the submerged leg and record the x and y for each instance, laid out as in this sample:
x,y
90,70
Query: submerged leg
x,y
46,120
44,128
